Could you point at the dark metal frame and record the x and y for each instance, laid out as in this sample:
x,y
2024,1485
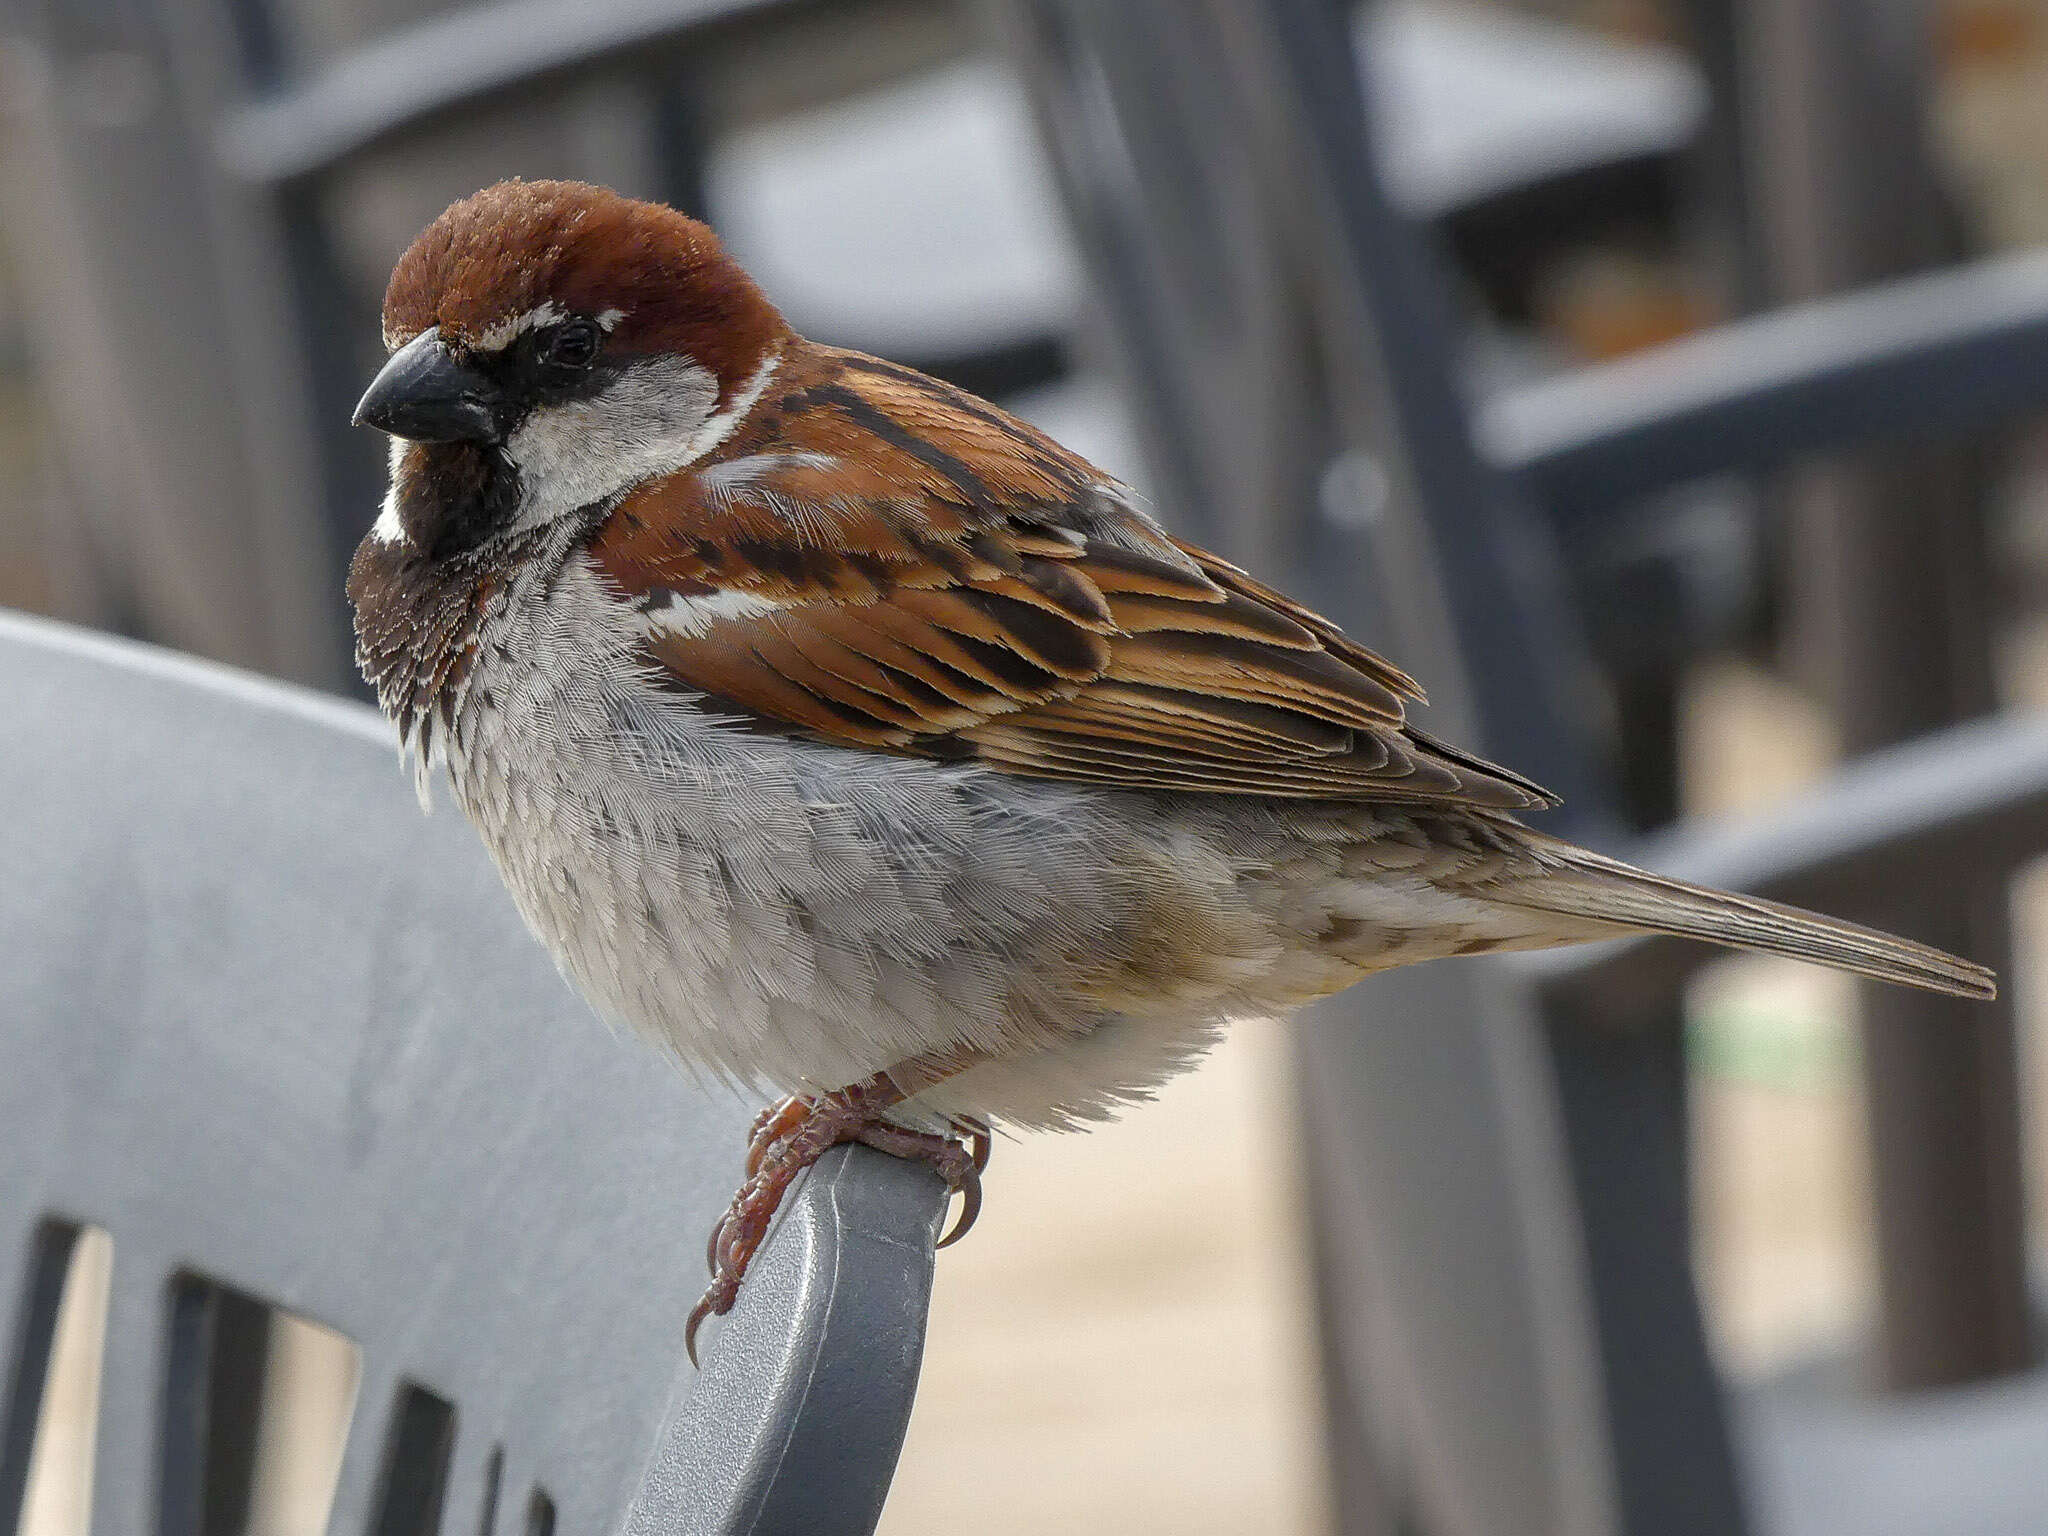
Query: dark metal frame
x,y
414,78
1921,358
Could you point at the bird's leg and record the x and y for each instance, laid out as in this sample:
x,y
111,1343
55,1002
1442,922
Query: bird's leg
x,y
789,1136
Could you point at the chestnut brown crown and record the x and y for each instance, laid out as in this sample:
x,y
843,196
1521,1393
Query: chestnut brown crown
x,y
502,252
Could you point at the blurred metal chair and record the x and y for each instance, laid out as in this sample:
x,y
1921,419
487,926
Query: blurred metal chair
x,y
916,220
1498,1155
157,304
289,148
202,199
287,1043
1883,560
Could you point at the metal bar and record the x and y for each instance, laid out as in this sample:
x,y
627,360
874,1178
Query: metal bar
x,y
1887,567
410,78
1366,1494
1925,356
1622,1097
416,75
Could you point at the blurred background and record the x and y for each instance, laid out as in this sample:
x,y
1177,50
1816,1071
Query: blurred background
x,y
1501,329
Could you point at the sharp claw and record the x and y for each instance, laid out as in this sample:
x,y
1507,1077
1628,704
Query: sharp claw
x,y
788,1137
970,1207
698,1313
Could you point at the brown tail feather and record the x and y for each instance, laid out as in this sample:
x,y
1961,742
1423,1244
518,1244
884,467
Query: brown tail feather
x,y
1579,883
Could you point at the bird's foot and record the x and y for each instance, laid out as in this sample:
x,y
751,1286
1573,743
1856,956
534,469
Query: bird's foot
x,y
789,1136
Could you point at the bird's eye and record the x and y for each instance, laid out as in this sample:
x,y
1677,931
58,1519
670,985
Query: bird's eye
x,y
572,347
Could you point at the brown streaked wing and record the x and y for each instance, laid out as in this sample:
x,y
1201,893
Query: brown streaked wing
x,y
932,577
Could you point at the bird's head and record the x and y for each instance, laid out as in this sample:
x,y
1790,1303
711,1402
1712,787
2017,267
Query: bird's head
x,y
552,345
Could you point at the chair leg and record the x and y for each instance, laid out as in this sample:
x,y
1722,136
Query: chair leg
x,y
1622,1099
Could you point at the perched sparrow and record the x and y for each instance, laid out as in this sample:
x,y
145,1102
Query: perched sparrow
x,y
838,731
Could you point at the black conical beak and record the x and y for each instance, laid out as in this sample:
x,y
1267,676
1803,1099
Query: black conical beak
x,y
424,394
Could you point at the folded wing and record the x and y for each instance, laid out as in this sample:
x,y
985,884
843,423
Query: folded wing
x,y
885,562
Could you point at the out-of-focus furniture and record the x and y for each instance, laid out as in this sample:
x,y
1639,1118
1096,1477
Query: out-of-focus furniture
x,y
1498,1156
164,337
916,220
201,201
286,1042
263,162
1886,562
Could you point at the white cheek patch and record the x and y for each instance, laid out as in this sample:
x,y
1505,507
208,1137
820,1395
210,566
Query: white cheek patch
x,y
657,417
684,616
573,455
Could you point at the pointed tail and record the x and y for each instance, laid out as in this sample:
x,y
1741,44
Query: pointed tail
x,y
1579,883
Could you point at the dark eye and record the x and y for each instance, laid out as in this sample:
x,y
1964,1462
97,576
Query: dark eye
x,y
572,347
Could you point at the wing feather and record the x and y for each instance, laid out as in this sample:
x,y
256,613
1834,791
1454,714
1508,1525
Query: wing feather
x,y
927,575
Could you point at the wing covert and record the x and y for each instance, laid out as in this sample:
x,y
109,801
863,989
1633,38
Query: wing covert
x,y
880,560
